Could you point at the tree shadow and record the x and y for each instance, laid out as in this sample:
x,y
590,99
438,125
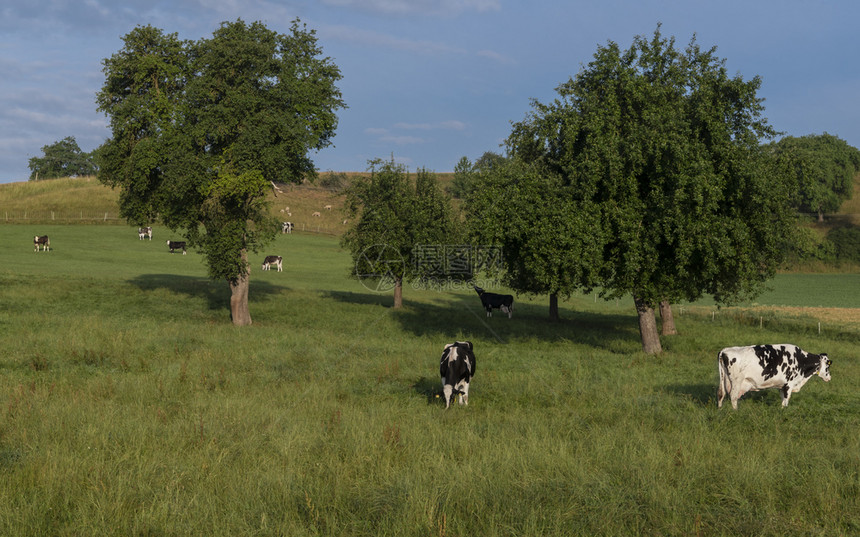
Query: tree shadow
x,y
462,316
216,293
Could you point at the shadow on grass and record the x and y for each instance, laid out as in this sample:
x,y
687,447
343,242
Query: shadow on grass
x,y
706,395
430,388
702,394
216,293
462,317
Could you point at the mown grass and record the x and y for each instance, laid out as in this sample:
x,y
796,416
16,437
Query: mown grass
x,y
130,406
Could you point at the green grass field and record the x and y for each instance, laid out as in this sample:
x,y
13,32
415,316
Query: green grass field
x,y
129,405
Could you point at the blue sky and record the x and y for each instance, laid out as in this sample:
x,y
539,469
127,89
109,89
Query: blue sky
x,y
430,81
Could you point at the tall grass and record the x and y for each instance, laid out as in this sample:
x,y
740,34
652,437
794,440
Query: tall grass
x,y
130,406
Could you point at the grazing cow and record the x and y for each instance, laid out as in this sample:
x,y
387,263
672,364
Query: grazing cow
x,y
41,243
286,227
316,213
327,207
787,367
491,301
273,260
176,245
143,232
457,367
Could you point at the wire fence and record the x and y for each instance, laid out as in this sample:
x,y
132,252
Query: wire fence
x,y
107,217
27,216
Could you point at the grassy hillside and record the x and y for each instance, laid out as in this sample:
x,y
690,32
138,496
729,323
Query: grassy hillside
x,y
129,405
86,200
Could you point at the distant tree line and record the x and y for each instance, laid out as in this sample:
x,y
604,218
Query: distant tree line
x,y
62,159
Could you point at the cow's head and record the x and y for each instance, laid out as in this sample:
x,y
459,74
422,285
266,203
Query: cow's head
x,y
478,289
824,368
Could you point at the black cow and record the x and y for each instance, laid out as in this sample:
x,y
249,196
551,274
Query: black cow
x,y
176,245
492,301
41,243
457,367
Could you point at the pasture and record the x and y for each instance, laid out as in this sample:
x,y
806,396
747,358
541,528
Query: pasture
x,y
129,405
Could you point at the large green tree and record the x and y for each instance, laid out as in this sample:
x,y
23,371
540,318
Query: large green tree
x,y
824,167
62,159
665,146
402,230
549,238
200,130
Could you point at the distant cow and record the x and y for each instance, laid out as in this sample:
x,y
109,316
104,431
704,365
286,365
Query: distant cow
x,y
144,232
491,301
176,245
275,260
41,243
286,227
457,367
316,213
327,207
787,367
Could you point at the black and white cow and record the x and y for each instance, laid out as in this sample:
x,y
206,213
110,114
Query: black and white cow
x,y
457,367
144,232
787,367
286,227
176,245
41,243
275,260
492,301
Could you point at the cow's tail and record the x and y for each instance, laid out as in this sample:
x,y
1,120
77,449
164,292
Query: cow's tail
x,y
724,387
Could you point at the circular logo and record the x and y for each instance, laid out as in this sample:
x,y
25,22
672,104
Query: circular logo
x,y
378,266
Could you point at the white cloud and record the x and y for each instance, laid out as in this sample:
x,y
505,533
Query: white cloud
x,y
402,140
495,56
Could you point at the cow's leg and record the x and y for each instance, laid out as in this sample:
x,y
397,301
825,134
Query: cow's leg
x,y
786,394
448,393
736,393
464,394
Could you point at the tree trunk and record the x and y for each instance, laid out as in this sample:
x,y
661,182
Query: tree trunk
x,y
398,293
667,319
647,327
239,311
553,307
820,216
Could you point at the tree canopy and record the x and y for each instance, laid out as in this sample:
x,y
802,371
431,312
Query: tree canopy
x,y
403,228
824,167
62,159
201,129
657,154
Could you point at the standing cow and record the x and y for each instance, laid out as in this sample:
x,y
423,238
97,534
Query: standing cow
x,y
275,260
456,368
491,301
41,243
176,245
144,232
787,367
